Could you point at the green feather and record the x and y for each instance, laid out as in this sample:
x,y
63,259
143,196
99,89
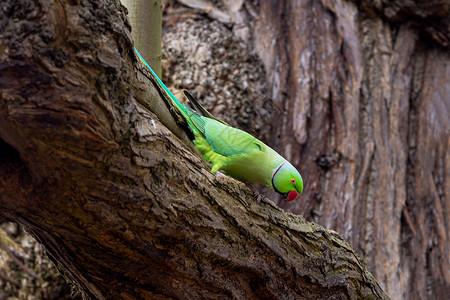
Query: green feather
x,y
229,141
234,151
180,106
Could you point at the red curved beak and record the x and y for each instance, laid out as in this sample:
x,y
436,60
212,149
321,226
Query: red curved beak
x,y
292,195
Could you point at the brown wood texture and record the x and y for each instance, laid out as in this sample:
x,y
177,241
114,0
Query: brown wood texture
x,y
364,90
125,209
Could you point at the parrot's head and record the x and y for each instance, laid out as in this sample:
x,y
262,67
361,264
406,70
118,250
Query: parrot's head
x,y
286,180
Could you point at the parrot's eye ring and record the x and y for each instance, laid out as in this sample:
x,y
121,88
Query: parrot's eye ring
x,y
293,180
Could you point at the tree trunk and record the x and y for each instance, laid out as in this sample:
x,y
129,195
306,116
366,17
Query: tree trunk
x,y
360,94
124,207
146,20
364,91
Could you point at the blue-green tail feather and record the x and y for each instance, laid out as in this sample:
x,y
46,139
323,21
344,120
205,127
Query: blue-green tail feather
x,y
174,99
195,121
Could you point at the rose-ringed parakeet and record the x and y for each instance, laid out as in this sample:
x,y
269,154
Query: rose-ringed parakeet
x,y
235,152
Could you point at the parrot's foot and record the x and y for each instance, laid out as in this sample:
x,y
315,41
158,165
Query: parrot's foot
x,y
218,173
259,197
256,194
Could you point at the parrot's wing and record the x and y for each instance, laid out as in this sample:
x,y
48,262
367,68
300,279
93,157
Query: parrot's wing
x,y
227,140
224,139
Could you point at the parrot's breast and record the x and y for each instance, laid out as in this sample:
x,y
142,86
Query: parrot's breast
x,y
257,168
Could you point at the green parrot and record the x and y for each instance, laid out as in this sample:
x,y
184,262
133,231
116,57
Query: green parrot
x,y
235,152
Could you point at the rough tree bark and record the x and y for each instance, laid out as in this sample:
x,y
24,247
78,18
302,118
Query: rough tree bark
x,y
364,90
123,207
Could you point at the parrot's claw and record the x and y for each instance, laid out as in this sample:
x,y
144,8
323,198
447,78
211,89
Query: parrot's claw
x,y
256,194
259,197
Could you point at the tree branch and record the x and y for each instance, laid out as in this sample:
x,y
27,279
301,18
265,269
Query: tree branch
x,y
124,207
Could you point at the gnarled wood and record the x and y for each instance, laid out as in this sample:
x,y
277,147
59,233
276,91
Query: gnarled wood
x,y
363,90
125,208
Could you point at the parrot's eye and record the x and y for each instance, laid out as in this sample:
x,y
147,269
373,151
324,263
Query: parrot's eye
x,y
293,180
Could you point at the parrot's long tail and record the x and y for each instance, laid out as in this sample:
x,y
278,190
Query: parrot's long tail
x,y
174,99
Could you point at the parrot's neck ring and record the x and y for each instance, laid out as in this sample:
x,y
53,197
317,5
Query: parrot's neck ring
x,y
273,176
